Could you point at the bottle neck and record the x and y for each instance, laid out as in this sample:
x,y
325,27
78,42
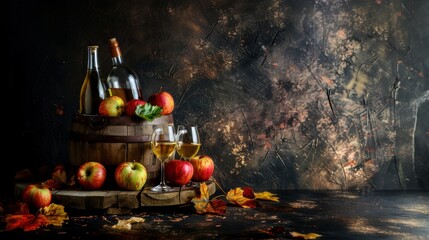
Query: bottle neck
x,y
92,58
117,60
116,52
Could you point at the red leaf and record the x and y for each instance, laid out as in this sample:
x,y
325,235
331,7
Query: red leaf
x,y
203,204
18,221
236,196
40,221
28,222
248,192
218,206
250,203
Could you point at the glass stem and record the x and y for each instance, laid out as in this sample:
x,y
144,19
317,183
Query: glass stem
x,y
162,173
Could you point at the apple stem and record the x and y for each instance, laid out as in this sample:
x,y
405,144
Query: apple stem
x,y
160,89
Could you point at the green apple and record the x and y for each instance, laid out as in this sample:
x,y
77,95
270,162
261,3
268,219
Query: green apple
x,y
130,175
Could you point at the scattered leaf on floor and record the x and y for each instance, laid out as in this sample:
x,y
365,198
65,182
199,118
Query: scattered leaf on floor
x,y
248,192
236,196
55,213
204,205
28,222
267,196
305,236
127,223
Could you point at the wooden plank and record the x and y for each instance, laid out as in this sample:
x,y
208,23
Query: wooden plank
x,y
97,199
105,199
128,199
70,198
177,197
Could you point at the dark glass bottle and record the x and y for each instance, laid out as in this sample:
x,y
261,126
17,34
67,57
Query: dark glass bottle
x,y
93,89
122,81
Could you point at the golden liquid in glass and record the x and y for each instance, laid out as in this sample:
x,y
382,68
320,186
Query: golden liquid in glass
x,y
188,150
163,150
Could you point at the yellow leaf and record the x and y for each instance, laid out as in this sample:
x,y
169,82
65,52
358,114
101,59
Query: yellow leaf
x,y
267,196
126,224
201,201
203,204
55,213
236,196
305,236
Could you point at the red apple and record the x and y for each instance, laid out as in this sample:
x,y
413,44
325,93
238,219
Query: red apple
x,y
203,168
37,195
130,107
178,172
91,175
130,175
164,100
112,106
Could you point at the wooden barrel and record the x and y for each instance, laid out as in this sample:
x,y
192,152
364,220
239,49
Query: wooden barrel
x,y
112,140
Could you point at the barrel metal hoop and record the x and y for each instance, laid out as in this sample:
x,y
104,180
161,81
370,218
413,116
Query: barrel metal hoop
x,y
108,138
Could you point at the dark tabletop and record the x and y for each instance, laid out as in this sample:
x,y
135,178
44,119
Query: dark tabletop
x,y
332,214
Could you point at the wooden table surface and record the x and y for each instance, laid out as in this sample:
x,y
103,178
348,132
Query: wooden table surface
x,y
332,214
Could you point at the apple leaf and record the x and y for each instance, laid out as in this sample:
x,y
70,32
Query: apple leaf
x,y
305,236
148,111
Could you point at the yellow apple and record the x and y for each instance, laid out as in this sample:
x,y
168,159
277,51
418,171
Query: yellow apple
x,y
112,106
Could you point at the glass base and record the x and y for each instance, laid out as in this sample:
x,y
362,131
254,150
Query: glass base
x,y
162,188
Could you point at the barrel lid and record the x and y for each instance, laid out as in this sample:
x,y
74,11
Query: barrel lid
x,y
102,121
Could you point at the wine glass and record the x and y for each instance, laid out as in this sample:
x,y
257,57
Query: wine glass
x,y
188,141
163,144
188,144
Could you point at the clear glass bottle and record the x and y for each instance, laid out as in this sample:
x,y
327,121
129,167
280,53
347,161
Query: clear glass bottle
x,y
93,89
122,81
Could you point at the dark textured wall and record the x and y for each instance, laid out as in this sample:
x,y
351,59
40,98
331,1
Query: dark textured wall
x,y
288,94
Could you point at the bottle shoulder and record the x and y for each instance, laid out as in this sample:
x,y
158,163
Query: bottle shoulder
x,y
122,68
